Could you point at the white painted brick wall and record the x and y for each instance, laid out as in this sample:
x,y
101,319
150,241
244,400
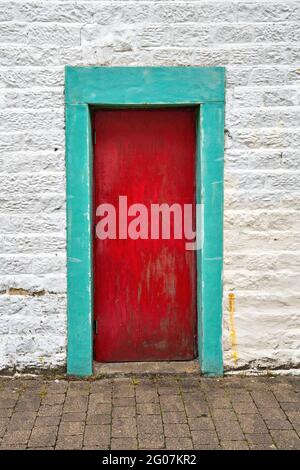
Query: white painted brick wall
x,y
259,43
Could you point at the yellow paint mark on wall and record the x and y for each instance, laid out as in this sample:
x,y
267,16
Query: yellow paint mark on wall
x,y
233,337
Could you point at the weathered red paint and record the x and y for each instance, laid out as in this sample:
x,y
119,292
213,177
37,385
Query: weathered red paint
x,y
144,290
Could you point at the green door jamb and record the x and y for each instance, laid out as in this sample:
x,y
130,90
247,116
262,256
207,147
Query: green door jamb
x,y
203,87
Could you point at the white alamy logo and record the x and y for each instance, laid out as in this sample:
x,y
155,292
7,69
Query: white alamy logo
x,y
162,221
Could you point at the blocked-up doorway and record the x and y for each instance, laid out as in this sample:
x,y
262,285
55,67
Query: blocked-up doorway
x,y
144,282
140,328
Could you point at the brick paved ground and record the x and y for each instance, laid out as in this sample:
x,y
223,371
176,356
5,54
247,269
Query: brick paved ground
x,y
150,413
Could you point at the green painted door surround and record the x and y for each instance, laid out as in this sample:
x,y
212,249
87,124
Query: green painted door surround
x,y
87,87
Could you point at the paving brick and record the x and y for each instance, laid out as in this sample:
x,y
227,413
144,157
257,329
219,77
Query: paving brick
x,y
43,421
235,445
284,395
69,442
99,408
167,381
264,399
123,411
32,385
278,423
22,420
54,399
94,447
223,416
279,384
16,437
179,443
201,424
245,408
290,406
255,384
6,412
176,430
40,448
126,443
122,382
204,438
124,392
196,409
29,395
192,397
5,446
121,401
229,431
189,384
294,382
75,404
174,417
43,437
71,428
100,397
171,403
191,393
73,417
97,434
3,425
28,405
98,419
146,382
7,394
8,402
50,410
57,386
286,440
218,400
252,424
148,408
272,413
149,424
209,384
78,388
260,441
151,441
124,427
149,396
294,417
101,386
207,447
168,390
239,396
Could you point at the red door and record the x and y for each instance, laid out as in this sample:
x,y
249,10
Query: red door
x,y
144,289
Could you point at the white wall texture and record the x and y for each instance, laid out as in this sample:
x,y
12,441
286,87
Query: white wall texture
x,y
259,44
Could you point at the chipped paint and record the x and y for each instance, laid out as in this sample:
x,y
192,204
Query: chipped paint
x,y
26,292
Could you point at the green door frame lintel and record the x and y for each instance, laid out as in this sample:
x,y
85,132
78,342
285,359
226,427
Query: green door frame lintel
x,y
86,87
